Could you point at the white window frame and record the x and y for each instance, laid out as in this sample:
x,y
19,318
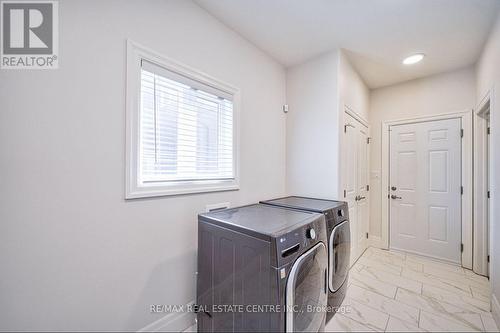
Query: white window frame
x,y
133,189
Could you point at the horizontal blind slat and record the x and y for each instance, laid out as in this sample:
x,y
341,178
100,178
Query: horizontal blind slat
x,y
186,133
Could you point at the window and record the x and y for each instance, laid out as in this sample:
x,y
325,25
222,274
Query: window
x,y
180,129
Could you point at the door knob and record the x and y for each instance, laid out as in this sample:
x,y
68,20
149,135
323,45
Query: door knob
x,y
361,198
356,198
394,188
395,197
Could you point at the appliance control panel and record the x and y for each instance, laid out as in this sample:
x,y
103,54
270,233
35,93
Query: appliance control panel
x,y
337,215
298,241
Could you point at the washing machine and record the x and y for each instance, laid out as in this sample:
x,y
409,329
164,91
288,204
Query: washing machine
x,y
339,241
261,268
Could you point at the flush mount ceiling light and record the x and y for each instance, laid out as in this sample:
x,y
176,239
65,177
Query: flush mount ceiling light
x,y
413,59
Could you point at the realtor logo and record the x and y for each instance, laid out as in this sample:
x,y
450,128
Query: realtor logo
x,y
29,35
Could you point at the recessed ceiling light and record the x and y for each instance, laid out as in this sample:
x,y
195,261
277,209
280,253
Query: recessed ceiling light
x,y
413,59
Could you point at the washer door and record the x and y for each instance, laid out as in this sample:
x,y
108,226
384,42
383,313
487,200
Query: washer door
x,y
339,249
306,291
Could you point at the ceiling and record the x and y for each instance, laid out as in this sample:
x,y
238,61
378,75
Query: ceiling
x,y
376,34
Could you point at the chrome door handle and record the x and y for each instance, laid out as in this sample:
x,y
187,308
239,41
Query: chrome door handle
x,y
359,197
395,197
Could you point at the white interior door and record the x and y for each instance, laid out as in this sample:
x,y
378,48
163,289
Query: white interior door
x,y
425,188
355,183
350,183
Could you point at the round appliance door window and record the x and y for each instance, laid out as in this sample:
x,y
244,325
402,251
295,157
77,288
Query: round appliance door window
x,y
306,291
340,249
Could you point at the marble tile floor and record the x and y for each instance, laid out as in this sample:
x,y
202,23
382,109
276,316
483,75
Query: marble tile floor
x,y
393,292
397,292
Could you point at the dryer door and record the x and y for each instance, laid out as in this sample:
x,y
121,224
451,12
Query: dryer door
x,y
339,249
306,291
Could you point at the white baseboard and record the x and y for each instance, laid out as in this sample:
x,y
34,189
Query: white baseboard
x,y
376,241
172,322
495,309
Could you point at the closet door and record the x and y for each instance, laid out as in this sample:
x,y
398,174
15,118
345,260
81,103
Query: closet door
x,y
350,177
355,180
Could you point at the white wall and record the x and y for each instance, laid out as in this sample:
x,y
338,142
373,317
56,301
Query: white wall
x,y
312,131
75,255
488,66
353,91
488,77
438,94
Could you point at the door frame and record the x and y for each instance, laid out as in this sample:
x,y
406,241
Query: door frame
x,y
482,183
467,176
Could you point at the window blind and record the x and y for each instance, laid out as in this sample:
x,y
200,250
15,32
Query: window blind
x,y
186,128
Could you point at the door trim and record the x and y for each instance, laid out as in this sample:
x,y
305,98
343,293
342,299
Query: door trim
x,y
467,173
482,211
356,116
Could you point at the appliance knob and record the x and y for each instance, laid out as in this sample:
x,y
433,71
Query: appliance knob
x,y
311,233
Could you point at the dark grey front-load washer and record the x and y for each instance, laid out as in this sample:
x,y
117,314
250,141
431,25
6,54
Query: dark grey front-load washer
x,y
339,241
261,268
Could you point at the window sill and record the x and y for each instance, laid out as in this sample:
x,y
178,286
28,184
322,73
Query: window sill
x,y
184,188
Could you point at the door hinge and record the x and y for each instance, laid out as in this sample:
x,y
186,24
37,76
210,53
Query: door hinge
x,y
345,193
462,133
366,235
488,258
461,190
488,131
368,140
345,128
488,194
367,187
462,247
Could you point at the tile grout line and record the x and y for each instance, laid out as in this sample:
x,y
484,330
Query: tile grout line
x,y
441,300
380,260
387,323
394,299
380,310
363,304
378,293
357,321
459,320
439,278
388,283
450,317
482,322
442,280
375,292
